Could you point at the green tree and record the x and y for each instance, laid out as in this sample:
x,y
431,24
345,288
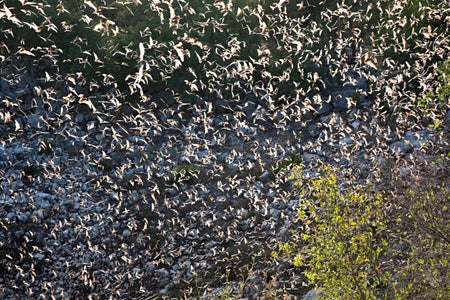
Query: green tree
x,y
57,30
344,236
355,243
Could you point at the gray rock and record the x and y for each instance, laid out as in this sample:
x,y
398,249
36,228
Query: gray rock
x,y
346,141
164,277
355,124
401,148
447,121
10,216
308,157
41,200
202,154
23,216
126,233
39,256
325,108
342,100
314,130
38,213
5,87
356,82
275,213
150,267
22,92
223,120
163,292
79,118
416,139
3,154
249,108
311,295
233,140
264,177
193,233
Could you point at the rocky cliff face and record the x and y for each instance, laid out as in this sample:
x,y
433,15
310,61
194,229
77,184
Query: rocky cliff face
x,y
105,199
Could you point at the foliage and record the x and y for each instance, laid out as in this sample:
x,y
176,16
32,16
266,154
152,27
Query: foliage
x,y
434,102
106,164
344,234
184,174
51,30
284,164
423,230
31,170
357,244
200,50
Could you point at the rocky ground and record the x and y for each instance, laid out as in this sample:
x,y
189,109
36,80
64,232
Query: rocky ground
x,y
103,200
